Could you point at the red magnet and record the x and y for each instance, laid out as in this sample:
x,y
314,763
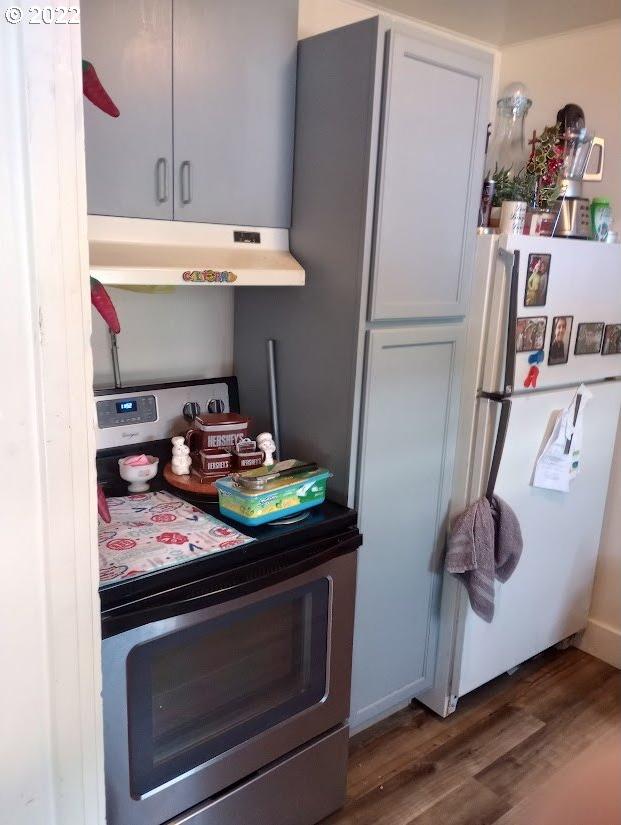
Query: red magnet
x,y
531,378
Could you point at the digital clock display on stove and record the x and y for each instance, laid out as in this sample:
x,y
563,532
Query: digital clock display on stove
x,y
121,412
127,406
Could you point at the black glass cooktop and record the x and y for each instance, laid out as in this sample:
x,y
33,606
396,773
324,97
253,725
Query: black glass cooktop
x,y
302,537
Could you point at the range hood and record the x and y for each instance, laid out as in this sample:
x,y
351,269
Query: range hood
x,y
135,252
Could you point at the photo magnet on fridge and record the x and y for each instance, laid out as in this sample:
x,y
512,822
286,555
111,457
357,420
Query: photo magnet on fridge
x,y
612,340
537,275
530,333
558,352
589,338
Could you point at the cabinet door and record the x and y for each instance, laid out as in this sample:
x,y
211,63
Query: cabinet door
x,y
406,465
234,97
435,121
129,158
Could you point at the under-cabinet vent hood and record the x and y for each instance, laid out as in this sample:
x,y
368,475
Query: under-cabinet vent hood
x,y
136,252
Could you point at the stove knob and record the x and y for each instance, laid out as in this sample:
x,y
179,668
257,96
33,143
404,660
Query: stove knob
x,y
191,410
216,405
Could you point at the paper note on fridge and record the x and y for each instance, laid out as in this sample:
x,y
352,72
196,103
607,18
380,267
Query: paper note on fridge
x,y
559,461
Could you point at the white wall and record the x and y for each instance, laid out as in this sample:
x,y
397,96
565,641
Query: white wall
x,y
603,634
584,67
184,334
581,67
317,16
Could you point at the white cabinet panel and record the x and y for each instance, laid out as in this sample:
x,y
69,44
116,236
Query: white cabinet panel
x,y
435,116
409,436
129,158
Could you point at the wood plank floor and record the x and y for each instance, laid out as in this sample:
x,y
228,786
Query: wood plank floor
x,y
486,760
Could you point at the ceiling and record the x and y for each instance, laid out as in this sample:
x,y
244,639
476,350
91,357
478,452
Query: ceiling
x,y
502,22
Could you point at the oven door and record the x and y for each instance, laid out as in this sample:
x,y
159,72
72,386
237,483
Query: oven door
x,y
196,702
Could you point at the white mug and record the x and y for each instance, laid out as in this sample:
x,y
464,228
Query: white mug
x,y
512,217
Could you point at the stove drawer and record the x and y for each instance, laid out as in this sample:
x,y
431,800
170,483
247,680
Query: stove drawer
x,y
286,792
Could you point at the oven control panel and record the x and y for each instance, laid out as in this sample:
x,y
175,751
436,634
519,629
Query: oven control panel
x,y
138,409
132,415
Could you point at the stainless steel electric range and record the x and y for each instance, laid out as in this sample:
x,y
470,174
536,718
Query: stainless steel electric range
x,y
226,679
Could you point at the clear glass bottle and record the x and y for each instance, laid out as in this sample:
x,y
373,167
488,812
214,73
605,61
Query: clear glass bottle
x,y
507,148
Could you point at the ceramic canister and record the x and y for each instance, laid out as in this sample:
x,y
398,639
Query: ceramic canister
x,y
512,217
213,430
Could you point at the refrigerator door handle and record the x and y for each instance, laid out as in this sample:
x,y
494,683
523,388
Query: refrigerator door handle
x,y
501,435
511,261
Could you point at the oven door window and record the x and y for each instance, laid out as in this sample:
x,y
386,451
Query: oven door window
x,y
200,691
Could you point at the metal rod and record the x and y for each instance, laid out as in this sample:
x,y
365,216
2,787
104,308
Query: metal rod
x,y
273,391
116,370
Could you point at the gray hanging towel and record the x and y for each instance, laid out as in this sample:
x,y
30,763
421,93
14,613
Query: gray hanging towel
x,y
485,543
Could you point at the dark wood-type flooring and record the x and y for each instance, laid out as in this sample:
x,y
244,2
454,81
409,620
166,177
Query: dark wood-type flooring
x,y
482,764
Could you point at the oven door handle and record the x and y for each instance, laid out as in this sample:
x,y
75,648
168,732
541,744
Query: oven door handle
x,y
118,620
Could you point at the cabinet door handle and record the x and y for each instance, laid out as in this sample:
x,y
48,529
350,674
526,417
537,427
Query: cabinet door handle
x,y
161,180
185,180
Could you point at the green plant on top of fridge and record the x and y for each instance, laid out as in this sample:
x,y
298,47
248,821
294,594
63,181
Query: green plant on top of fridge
x,y
511,186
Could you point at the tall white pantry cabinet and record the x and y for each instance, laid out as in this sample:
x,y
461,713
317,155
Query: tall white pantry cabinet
x,y
390,138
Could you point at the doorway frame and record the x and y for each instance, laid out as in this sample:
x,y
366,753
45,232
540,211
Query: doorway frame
x,y
54,731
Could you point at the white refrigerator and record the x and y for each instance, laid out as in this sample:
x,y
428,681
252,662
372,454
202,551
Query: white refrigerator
x,y
522,286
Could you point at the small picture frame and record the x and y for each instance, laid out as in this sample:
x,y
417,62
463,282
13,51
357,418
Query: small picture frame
x,y
530,333
558,351
537,277
589,338
612,340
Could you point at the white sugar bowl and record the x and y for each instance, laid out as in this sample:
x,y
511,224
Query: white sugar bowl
x,y
138,472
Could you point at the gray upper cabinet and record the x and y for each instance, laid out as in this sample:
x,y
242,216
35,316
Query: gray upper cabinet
x,y
434,129
234,98
216,78
409,438
129,158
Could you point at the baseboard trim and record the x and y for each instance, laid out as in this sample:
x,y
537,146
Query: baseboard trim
x,y
368,720
602,641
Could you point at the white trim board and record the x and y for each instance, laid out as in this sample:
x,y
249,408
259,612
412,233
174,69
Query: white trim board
x,y
602,641
49,608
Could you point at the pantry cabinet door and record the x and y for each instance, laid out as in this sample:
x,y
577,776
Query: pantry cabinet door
x,y
129,157
431,167
234,98
405,475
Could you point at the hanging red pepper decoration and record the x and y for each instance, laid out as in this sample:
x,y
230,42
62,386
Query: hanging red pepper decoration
x,y
102,505
104,306
95,92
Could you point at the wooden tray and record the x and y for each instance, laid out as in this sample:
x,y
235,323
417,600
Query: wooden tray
x,y
189,484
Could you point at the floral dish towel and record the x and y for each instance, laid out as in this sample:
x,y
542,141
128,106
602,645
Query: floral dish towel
x,y
150,531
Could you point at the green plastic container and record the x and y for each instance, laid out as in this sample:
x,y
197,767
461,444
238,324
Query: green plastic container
x,y
601,218
279,498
